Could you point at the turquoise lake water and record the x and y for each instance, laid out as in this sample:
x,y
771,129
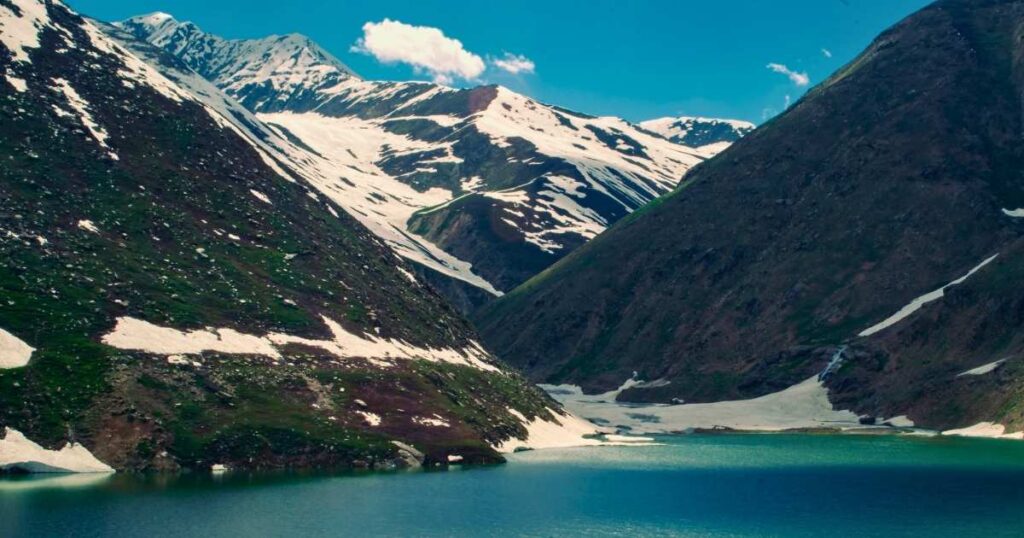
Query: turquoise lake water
x,y
699,485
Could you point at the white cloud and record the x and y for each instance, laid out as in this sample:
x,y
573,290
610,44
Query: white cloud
x,y
800,79
425,48
827,53
514,63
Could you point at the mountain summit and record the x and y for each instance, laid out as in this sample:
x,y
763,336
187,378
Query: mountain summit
x,y
704,133
269,74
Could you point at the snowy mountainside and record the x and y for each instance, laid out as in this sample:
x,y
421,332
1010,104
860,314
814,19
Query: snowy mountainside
x,y
176,296
496,184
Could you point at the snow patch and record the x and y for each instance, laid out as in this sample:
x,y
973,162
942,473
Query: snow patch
x,y
14,353
137,335
990,430
19,84
81,108
19,34
900,421
407,274
372,419
17,452
919,302
260,196
434,421
983,369
804,405
564,432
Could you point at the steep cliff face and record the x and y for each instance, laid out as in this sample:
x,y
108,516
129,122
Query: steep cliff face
x,y
172,295
836,223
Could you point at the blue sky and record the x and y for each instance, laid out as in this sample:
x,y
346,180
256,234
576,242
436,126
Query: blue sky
x,y
638,59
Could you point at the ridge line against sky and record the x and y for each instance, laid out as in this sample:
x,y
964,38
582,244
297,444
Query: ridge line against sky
x,y
640,60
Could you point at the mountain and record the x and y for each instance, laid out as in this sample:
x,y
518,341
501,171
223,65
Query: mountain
x,y
481,187
709,134
270,74
173,295
869,237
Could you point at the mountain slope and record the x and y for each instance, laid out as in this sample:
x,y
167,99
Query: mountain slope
x,y
482,185
836,224
172,297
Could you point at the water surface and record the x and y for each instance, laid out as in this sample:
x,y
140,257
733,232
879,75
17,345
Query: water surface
x,y
698,485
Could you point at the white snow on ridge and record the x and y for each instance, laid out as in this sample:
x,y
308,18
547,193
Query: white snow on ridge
x,y
511,115
137,335
983,369
805,405
14,352
919,302
285,65
17,452
682,125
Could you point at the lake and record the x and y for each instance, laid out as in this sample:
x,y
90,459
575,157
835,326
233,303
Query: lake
x,y
724,485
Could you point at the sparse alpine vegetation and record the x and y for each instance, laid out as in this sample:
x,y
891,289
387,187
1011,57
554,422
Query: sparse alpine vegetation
x,y
172,297
878,213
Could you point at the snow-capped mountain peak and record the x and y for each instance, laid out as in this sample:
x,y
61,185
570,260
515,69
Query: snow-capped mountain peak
x,y
270,73
713,134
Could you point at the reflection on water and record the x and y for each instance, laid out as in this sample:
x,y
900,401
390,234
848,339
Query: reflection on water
x,y
52,481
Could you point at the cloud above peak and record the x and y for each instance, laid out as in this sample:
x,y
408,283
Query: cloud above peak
x,y
424,48
800,79
514,64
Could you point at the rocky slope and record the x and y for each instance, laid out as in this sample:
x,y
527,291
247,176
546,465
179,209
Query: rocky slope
x,y
482,185
173,295
879,213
